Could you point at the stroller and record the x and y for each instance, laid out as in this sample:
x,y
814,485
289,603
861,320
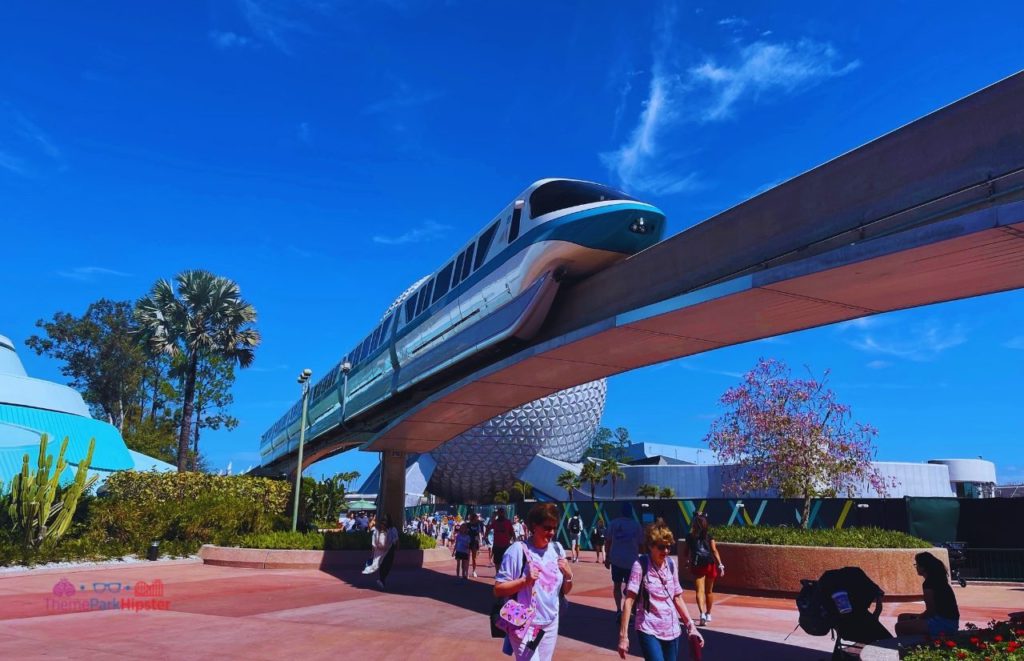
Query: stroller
x,y
957,560
838,602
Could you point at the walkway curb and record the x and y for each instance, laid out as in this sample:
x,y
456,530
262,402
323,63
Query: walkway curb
x,y
231,556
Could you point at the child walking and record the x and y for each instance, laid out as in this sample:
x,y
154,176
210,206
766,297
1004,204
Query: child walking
x,y
461,552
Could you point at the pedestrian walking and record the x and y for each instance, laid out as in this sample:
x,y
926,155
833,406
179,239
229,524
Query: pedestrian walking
x,y
621,547
575,527
501,528
518,528
476,531
461,552
705,564
535,572
597,537
654,591
384,541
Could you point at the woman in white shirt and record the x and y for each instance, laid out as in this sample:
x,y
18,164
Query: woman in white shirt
x,y
384,541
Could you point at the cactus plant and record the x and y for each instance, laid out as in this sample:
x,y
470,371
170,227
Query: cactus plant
x,y
31,500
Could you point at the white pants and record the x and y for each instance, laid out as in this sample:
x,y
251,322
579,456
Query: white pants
x,y
545,650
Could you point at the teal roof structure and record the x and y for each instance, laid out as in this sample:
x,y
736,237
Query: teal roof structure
x,y
110,453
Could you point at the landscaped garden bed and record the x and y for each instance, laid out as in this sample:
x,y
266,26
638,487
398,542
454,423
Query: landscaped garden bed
x,y
773,560
999,641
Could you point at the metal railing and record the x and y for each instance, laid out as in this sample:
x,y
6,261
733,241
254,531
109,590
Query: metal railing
x,y
993,564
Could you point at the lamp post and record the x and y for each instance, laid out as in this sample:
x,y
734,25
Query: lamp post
x,y
304,382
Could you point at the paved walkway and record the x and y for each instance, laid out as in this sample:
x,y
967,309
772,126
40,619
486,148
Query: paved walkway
x,y
220,612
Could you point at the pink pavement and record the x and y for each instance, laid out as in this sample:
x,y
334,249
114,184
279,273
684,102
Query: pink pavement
x,y
226,612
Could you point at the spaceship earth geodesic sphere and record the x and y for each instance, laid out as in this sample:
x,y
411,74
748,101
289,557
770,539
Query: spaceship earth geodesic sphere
x,y
488,458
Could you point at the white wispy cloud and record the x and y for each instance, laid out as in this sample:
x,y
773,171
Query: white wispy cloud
x,y
734,22
303,133
27,147
705,370
91,273
921,343
764,68
404,97
708,92
12,163
277,22
862,323
878,364
225,39
429,231
1015,342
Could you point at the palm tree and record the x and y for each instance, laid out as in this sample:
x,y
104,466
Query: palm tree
x,y
521,491
568,481
647,491
611,469
206,317
591,474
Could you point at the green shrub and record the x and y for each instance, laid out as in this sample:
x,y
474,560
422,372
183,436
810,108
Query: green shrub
x,y
149,489
184,510
311,541
829,537
330,541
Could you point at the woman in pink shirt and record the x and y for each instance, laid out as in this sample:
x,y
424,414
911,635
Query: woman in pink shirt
x,y
654,587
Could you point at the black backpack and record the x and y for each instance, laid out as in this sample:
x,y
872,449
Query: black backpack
x,y
815,618
574,525
700,553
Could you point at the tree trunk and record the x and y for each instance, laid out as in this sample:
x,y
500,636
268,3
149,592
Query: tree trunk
x,y
156,394
195,441
806,519
613,488
186,413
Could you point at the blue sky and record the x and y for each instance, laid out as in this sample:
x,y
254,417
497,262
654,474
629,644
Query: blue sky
x,y
327,154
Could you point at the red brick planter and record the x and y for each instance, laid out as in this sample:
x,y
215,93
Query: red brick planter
x,y
778,569
230,556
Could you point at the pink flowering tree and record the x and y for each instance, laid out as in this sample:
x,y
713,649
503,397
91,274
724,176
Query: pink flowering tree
x,y
790,436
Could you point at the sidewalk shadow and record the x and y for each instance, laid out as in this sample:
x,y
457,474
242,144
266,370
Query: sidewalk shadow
x,y
594,626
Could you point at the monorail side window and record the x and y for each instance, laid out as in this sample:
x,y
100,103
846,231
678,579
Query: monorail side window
x,y
444,279
386,327
458,269
410,307
485,244
513,227
424,301
375,340
556,195
468,262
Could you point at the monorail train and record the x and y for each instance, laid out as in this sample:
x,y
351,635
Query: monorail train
x,y
499,286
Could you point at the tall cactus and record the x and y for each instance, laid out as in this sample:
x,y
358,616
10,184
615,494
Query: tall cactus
x,y
32,496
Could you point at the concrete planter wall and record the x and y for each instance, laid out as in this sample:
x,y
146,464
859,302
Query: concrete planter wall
x,y
778,569
229,556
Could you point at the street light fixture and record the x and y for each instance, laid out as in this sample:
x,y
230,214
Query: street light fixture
x,y
304,382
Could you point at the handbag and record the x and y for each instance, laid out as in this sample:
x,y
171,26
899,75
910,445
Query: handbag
x,y
507,613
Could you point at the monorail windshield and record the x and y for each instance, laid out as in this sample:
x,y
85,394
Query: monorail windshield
x,y
556,195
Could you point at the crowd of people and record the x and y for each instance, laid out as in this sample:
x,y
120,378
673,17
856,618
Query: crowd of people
x,y
534,573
